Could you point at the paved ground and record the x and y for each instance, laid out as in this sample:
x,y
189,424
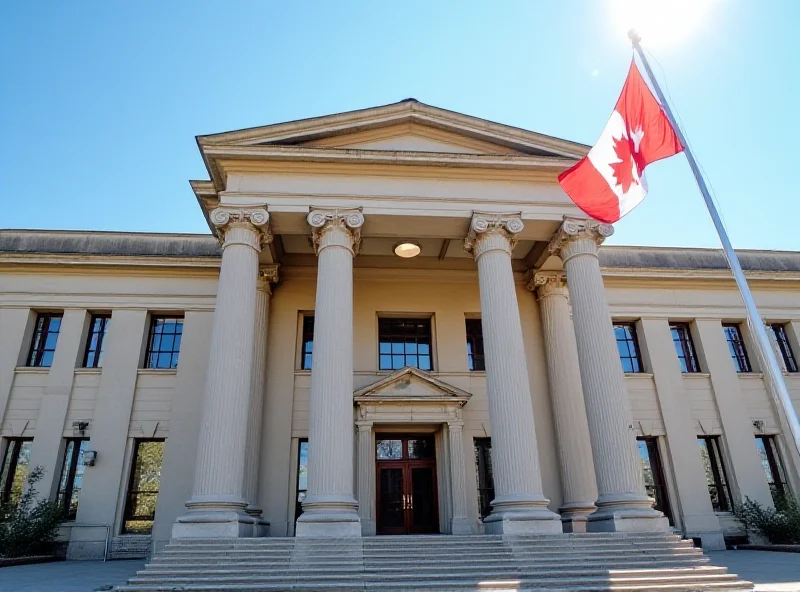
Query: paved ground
x,y
772,572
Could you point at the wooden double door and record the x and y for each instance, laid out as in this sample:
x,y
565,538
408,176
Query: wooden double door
x,y
406,488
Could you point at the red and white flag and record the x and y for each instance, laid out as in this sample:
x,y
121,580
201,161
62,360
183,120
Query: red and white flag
x,y
609,181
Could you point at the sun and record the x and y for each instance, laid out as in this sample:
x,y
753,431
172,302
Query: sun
x,y
661,23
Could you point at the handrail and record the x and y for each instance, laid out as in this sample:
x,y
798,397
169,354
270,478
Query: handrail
x,y
88,525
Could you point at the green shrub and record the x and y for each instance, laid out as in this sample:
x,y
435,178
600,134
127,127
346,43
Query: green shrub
x,y
780,525
30,526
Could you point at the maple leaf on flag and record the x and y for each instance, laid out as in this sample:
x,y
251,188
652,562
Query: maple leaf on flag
x,y
623,170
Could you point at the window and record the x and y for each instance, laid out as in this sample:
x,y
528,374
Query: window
x,y
653,473
782,339
628,347
164,343
69,488
684,347
716,478
93,358
773,467
483,465
302,474
308,342
404,342
45,336
733,335
145,481
14,469
475,358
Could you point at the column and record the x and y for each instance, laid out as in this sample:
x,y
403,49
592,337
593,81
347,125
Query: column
x,y
216,508
258,379
366,477
330,510
566,395
622,504
460,523
519,505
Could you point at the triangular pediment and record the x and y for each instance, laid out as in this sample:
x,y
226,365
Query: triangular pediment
x,y
411,385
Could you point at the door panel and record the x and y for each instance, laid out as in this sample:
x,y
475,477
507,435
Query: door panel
x,y
424,511
391,506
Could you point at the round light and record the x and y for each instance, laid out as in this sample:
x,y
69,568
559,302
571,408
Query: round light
x,y
407,250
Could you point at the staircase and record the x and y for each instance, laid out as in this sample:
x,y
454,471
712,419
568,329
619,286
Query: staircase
x,y
541,563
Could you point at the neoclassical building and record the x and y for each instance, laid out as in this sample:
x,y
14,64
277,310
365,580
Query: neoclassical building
x,y
399,324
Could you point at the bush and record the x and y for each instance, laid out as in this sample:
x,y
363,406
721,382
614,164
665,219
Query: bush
x,y
780,525
30,526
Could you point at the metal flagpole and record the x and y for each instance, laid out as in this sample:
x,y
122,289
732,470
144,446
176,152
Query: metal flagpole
x,y
770,365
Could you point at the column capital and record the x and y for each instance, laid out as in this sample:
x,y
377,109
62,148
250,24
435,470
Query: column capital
x,y
364,426
578,237
490,231
255,220
548,283
456,425
267,275
347,220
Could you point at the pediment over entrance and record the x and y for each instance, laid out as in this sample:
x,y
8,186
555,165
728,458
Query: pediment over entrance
x,y
411,385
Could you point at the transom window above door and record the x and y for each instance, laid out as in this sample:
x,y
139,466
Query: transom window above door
x,y
404,342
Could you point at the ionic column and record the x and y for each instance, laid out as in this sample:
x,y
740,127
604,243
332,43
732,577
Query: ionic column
x,y
519,505
566,396
216,508
366,476
329,509
460,523
622,504
258,378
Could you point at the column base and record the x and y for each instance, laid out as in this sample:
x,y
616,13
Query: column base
x,y
575,515
521,514
368,527
329,517
631,512
261,526
461,526
214,525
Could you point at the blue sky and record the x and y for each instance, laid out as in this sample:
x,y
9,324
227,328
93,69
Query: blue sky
x,y
100,100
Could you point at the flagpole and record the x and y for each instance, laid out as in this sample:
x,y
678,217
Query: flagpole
x,y
770,365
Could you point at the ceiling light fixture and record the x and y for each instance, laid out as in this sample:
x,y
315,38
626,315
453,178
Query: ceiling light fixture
x,y
407,249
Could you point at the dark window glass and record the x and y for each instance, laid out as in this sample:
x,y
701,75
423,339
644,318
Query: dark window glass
x,y
628,347
773,467
483,464
69,488
653,473
93,358
716,477
405,342
143,486
783,346
302,476
14,470
43,344
389,449
684,347
733,335
164,343
308,343
475,357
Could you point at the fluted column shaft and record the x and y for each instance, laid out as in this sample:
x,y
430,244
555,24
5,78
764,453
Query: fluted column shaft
x,y
519,505
329,508
566,396
622,503
366,477
458,480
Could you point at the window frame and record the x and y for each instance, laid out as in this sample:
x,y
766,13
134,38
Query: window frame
x,y
740,358
637,368
298,505
390,319
482,448
307,342
475,343
129,492
778,484
687,352
14,446
719,474
784,347
64,495
41,332
173,353
660,485
97,362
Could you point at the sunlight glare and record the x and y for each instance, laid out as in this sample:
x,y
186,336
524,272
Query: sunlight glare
x,y
660,22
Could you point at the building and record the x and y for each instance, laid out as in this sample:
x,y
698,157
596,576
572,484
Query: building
x,y
470,342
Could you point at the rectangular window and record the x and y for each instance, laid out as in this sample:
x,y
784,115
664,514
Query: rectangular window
x,y
653,473
782,339
164,342
405,342
773,467
14,469
69,488
475,359
684,347
308,342
143,486
628,347
483,465
716,477
43,344
733,335
93,358
302,476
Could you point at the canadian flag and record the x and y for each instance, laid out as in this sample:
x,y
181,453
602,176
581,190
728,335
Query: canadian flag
x,y
609,181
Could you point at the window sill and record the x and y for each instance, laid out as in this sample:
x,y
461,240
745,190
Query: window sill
x,y
156,371
750,374
89,371
32,370
695,374
638,375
